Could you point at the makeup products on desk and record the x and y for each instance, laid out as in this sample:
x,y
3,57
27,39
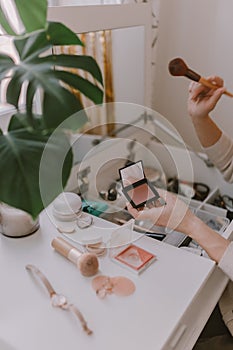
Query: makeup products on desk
x,y
134,258
125,253
68,214
105,285
87,263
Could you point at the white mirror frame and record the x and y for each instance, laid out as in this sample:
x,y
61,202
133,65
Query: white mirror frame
x,y
82,19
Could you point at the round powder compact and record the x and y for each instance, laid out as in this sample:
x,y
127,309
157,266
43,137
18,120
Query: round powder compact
x,y
67,206
102,285
121,286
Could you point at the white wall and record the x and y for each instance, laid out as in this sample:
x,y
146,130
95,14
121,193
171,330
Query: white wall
x,y
127,59
201,33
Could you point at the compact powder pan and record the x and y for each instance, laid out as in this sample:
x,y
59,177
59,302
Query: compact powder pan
x,y
135,186
141,194
121,286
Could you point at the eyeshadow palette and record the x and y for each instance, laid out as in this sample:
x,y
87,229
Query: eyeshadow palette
x,y
134,258
135,186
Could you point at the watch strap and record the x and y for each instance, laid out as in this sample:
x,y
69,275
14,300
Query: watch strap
x,y
53,295
42,277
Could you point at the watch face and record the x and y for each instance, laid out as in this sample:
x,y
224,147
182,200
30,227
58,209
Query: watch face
x,y
59,300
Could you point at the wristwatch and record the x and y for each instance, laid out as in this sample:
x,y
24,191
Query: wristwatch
x,y
59,300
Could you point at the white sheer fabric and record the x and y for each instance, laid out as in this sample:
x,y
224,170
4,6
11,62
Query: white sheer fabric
x,y
83,2
96,2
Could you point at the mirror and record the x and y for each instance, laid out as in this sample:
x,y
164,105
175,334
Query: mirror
x,y
120,56
128,64
132,173
130,32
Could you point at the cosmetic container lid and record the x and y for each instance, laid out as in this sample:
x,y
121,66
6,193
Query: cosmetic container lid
x,y
67,204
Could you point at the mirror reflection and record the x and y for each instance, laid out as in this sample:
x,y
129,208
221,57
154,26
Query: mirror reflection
x,y
132,173
120,56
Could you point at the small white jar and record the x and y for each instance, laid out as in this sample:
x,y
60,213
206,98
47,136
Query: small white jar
x,y
66,208
15,222
68,214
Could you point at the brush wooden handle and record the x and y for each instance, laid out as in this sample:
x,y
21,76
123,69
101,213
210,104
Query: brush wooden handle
x,y
208,84
66,249
87,263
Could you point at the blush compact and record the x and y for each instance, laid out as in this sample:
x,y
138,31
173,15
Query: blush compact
x,y
136,187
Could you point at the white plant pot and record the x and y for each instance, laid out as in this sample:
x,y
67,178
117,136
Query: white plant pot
x,y
16,223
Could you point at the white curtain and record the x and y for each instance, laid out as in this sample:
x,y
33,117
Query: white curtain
x,y
83,2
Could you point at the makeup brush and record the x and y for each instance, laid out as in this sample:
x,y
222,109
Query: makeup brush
x,y
177,67
87,263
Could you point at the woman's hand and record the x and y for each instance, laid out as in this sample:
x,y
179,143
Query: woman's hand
x,y
174,215
202,100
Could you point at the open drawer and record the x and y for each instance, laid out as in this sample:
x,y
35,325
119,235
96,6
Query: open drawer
x,y
97,164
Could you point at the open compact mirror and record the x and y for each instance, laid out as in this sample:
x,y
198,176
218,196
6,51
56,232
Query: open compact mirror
x,y
136,188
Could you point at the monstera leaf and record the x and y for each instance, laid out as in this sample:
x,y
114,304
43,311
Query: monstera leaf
x,y
33,16
38,72
36,146
21,153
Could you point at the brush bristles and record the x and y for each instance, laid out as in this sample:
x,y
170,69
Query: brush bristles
x,y
177,67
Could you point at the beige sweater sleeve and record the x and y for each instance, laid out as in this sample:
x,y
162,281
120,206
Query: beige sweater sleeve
x,y
221,154
226,263
226,300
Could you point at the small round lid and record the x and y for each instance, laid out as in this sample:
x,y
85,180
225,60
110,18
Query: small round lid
x,y
67,203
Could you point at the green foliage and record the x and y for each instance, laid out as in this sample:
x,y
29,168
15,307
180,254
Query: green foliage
x,y
32,16
40,72
21,153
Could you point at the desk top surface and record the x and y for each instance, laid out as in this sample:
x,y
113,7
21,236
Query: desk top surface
x,y
145,319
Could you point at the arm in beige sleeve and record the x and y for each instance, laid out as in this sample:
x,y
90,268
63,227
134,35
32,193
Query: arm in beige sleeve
x,y
226,262
217,145
221,154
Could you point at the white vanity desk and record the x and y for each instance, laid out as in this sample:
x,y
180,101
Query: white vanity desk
x,y
173,299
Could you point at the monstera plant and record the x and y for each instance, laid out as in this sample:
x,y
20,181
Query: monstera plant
x,y
39,76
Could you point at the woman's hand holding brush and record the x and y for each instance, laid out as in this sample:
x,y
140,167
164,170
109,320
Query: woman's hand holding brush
x,y
177,67
204,94
202,100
